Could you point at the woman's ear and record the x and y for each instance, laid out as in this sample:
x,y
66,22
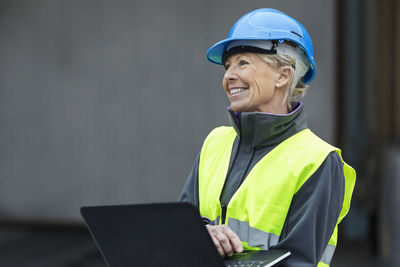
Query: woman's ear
x,y
285,73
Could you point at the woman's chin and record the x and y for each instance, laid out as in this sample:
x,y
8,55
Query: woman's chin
x,y
239,107
236,108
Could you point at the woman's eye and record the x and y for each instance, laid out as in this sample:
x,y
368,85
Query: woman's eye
x,y
242,62
226,66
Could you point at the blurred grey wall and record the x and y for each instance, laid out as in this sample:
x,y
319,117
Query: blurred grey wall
x,y
106,102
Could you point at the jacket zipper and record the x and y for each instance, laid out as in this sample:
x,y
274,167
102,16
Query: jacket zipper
x,y
223,214
224,207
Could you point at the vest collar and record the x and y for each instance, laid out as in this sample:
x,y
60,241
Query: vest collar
x,y
264,129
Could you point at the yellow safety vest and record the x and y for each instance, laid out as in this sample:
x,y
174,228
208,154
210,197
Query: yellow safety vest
x,y
258,209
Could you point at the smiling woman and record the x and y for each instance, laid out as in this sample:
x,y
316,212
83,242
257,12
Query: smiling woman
x,y
254,85
267,181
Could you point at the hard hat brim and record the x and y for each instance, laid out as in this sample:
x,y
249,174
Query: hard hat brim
x,y
215,53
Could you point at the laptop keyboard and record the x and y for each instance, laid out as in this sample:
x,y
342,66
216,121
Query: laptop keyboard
x,y
246,263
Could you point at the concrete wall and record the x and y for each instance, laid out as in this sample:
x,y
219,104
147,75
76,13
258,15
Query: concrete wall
x,y
105,102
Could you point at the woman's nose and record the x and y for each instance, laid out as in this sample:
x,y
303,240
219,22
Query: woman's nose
x,y
230,75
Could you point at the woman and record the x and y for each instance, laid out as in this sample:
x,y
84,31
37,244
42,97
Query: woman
x,y
267,181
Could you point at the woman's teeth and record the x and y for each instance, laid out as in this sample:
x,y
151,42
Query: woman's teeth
x,y
236,91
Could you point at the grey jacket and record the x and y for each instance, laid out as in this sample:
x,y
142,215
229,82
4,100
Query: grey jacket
x,y
315,208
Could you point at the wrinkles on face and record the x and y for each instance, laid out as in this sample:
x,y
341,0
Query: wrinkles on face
x,y
257,89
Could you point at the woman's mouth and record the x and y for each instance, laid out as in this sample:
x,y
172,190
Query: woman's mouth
x,y
237,91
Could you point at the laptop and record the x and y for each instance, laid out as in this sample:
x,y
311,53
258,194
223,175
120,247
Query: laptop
x,y
164,234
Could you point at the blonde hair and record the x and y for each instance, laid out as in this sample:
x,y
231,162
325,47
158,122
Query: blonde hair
x,y
280,60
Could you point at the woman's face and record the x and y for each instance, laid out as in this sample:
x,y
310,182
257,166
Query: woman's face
x,y
253,85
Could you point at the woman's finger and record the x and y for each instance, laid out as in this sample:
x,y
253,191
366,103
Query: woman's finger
x,y
224,241
234,239
218,246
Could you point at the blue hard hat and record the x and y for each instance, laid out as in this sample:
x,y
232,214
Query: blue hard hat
x,y
267,24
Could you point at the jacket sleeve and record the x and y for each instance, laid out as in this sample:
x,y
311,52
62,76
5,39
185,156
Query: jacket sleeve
x,y
313,214
190,192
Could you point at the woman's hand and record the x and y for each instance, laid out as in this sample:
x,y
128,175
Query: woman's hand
x,y
225,240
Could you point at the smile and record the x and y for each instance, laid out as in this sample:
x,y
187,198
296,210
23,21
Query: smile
x,y
236,91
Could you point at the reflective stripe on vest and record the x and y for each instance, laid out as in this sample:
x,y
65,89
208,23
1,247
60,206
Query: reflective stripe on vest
x,y
254,237
328,254
257,211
